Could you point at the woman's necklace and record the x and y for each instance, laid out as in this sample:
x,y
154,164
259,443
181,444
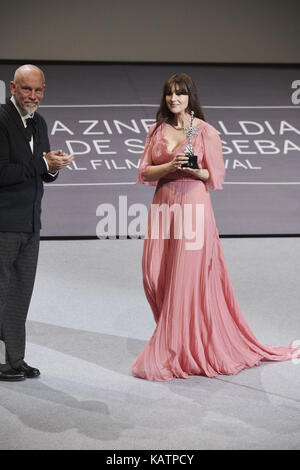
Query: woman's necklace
x,y
177,128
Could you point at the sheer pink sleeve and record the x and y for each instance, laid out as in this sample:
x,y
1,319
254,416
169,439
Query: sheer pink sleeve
x,y
146,160
213,157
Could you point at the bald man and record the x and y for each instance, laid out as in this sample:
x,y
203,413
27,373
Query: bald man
x,y
25,163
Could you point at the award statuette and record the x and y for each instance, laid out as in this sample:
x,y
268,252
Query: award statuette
x,y
190,131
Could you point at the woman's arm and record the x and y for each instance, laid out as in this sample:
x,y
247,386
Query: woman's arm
x,y
201,173
155,172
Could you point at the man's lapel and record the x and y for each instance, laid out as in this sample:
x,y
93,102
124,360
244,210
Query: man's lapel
x,y
16,118
37,138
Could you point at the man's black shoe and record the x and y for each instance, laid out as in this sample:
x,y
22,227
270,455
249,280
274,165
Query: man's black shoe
x,y
12,375
29,372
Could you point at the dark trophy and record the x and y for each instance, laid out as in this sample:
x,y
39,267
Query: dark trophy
x,y
190,131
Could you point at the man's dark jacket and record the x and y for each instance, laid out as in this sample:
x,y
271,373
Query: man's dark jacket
x,y
21,172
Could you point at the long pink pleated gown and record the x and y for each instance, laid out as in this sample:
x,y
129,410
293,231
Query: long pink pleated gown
x,y
200,329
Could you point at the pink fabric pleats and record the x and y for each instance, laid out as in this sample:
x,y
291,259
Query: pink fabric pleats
x,y
200,329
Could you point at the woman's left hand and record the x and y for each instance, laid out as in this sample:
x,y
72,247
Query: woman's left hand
x,y
194,172
199,173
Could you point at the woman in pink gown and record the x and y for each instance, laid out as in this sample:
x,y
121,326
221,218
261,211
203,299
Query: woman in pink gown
x,y
200,328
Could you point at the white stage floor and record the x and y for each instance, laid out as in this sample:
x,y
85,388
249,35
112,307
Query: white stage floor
x,y
89,319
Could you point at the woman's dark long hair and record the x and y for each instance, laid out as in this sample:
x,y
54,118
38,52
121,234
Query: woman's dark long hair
x,y
185,85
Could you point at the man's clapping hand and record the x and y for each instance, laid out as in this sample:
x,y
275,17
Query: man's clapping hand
x,y
57,159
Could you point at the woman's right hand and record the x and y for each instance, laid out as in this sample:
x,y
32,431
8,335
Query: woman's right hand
x,y
177,161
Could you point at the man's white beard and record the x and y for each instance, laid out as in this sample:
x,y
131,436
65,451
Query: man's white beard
x,y
30,110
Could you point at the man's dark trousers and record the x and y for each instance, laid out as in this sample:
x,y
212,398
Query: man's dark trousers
x,y
18,261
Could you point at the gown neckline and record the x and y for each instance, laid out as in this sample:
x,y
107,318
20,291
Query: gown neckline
x,y
166,142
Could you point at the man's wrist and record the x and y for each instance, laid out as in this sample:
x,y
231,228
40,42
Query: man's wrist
x,y
49,171
45,160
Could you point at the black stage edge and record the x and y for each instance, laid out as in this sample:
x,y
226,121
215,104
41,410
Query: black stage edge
x,y
142,459
116,237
